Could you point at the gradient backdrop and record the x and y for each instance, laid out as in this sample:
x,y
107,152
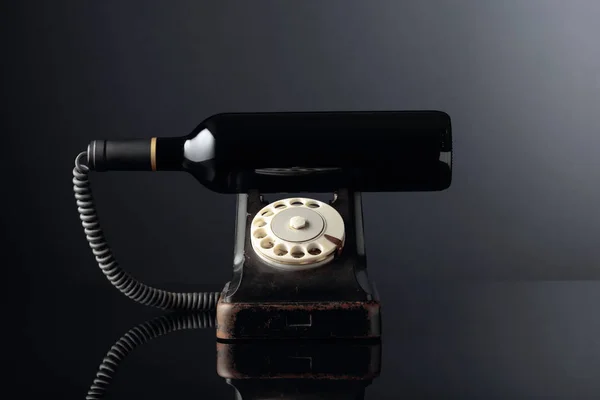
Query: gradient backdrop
x,y
489,288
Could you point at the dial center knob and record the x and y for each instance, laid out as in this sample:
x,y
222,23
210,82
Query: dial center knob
x,y
298,222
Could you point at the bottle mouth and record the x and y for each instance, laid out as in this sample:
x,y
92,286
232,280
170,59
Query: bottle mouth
x,y
91,154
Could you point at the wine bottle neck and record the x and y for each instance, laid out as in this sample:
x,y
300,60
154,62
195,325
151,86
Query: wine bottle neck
x,y
199,148
168,153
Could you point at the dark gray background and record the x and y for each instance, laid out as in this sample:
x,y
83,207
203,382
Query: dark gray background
x,y
469,309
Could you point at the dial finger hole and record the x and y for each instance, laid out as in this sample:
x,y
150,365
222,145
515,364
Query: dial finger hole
x,y
280,250
259,223
266,213
297,252
267,243
314,249
260,233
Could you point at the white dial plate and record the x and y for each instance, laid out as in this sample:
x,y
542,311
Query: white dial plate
x,y
297,233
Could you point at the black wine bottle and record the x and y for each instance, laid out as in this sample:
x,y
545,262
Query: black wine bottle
x,y
382,151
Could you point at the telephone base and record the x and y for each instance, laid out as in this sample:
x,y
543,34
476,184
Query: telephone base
x,y
301,320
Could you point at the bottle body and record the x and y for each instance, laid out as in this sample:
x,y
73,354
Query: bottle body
x,y
313,152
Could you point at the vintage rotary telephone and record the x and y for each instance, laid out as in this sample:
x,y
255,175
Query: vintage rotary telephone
x,y
299,268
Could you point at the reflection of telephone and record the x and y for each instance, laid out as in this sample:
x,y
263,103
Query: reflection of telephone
x,y
308,369
261,369
300,264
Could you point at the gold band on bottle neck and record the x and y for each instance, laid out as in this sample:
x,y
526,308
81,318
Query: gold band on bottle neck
x,y
153,153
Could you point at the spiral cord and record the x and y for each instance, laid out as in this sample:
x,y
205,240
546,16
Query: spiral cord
x,y
127,284
136,337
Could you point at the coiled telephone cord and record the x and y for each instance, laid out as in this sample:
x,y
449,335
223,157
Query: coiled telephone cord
x,y
127,284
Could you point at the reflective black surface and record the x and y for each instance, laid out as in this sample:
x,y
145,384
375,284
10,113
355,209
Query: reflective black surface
x,y
441,340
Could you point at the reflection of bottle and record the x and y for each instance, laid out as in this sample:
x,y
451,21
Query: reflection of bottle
x,y
306,152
